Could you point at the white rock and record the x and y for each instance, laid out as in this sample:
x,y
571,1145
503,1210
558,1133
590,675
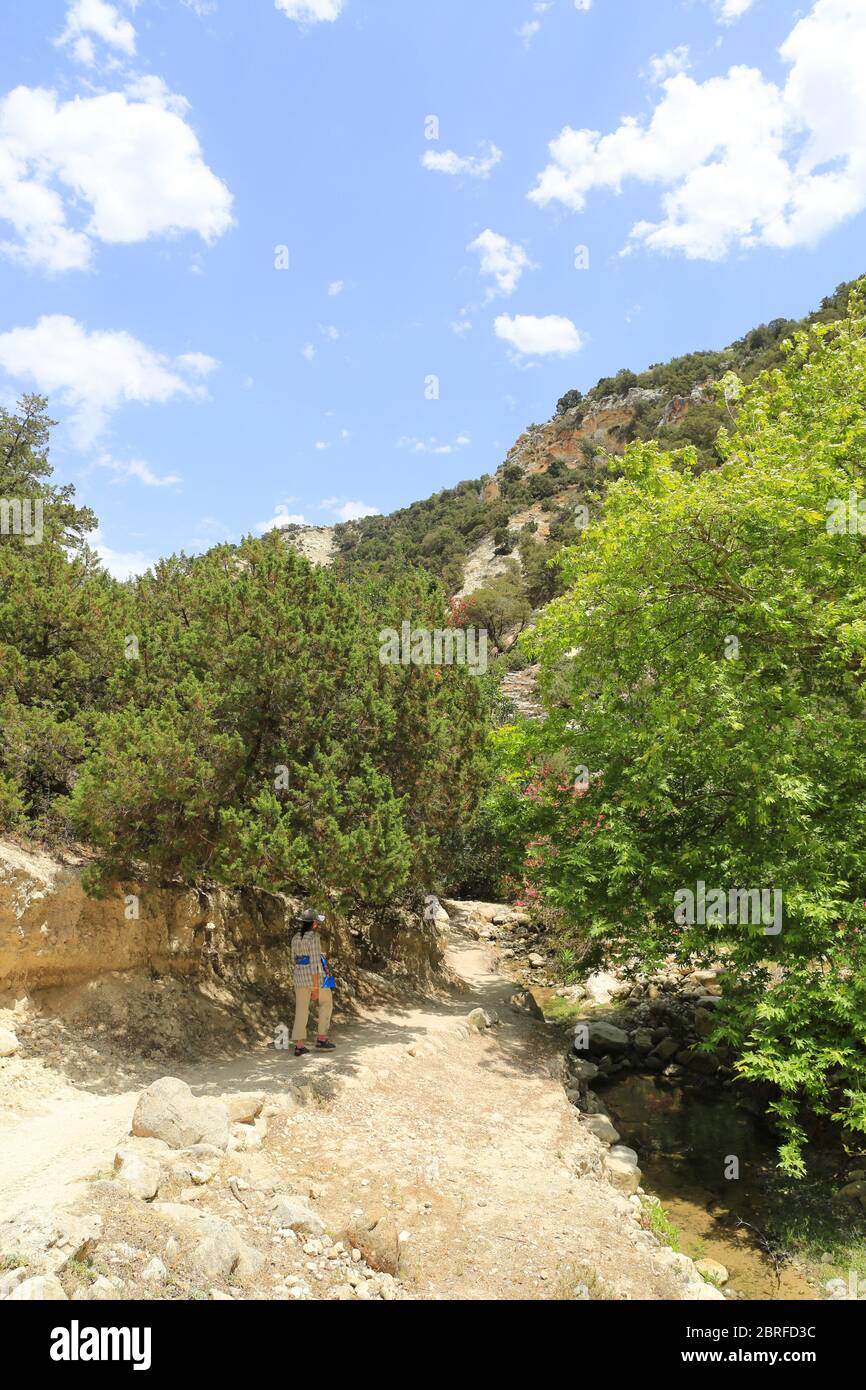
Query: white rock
x,y
154,1271
140,1173
42,1288
9,1043
626,1177
296,1214
601,1127
168,1110
625,1153
482,1018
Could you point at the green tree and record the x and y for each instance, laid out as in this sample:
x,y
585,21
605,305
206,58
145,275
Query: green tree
x,y
259,739
57,626
704,675
500,607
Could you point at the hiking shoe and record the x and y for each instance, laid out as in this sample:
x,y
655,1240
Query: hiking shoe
x,y
326,1046
302,1051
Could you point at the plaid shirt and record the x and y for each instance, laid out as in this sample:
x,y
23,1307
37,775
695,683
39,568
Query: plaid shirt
x,y
307,959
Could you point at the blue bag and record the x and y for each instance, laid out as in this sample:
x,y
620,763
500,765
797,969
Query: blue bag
x,y
328,981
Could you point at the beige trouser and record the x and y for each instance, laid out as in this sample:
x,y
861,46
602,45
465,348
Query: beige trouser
x,y
303,995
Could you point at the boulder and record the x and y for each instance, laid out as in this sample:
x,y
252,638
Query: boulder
x,y
602,987
296,1214
625,1176
704,1022
625,1153
854,1192
712,1270
482,1018
168,1110
606,1037
8,1043
524,1001
42,1288
581,1068
602,1128
140,1173
244,1106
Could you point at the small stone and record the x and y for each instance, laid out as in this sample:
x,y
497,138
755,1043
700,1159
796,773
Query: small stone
x,y
9,1043
296,1214
154,1271
712,1270
601,1127
482,1018
625,1176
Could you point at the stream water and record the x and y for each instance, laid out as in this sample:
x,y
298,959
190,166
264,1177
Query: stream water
x,y
685,1140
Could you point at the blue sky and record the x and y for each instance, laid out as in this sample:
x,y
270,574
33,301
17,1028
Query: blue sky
x,y
161,162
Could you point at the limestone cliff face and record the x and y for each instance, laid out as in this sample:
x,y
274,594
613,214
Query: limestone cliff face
x,y
560,440
317,543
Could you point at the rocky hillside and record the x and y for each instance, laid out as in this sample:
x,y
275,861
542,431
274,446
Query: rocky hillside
x,y
525,508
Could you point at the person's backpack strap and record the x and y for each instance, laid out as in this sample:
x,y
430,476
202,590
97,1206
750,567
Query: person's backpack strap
x,y
328,981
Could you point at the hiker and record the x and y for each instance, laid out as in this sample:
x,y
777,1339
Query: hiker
x,y
313,981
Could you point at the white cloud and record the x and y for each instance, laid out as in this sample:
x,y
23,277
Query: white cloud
x,y
329,332
308,351
432,445
311,11
348,511
532,336
322,444
743,161
668,64
336,287
504,260
197,363
92,374
461,326
282,517
123,564
96,17
476,166
201,7
139,469
134,165
527,32
583,5
730,10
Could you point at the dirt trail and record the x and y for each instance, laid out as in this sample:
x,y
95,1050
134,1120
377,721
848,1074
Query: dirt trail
x,y
465,1138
